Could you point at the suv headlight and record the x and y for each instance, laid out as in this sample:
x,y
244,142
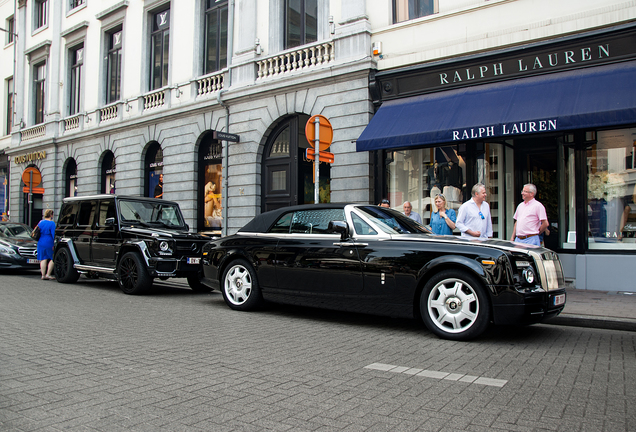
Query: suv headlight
x,y
161,247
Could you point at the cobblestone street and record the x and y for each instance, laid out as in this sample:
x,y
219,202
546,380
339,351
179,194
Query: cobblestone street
x,y
86,357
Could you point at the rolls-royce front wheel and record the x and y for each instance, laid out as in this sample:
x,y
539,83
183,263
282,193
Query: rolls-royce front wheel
x,y
454,305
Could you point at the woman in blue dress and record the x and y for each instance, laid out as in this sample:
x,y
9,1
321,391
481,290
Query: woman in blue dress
x,y
442,218
45,245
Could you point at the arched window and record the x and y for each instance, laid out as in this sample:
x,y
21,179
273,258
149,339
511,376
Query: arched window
x,y
108,173
210,211
154,171
287,176
70,177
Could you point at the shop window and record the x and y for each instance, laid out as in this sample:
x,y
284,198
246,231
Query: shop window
x,y
611,190
301,22
40,12
404,10
419,175
108,173
71,178
215,35
39,89
113,66
77,63
210,186
159,49
490,172
154,171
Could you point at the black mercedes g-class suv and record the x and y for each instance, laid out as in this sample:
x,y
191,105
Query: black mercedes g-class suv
x,y
129,239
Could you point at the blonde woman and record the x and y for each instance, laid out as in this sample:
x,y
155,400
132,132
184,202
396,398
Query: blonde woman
x,y
442,218
45,245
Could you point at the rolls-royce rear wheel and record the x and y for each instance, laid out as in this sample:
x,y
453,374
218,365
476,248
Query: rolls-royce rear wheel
x,y
454,305
240,286
63,265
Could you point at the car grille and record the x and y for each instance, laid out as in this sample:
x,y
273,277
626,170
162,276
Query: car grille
x,y
29,252
189,248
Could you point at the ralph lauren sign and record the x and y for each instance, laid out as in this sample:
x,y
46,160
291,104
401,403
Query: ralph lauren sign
x,y
597,49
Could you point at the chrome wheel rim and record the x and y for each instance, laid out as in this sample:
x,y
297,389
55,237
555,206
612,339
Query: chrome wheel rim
x,y
238,285
453,305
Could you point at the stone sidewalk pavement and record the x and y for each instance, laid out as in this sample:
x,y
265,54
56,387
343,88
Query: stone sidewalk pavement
x,y
615,310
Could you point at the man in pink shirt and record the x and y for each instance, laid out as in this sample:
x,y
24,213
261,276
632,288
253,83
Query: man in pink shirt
x,y
530,218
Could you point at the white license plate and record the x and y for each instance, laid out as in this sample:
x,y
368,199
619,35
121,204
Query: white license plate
x,y
194,260
559,299
32,261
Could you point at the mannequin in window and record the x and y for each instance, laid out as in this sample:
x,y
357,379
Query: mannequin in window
x,y
213,213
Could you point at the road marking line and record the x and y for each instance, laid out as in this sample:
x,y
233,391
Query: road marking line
x,y
470,379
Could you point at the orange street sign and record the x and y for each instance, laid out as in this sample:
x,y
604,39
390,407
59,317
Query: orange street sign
x,y
323,156
26,176
326,131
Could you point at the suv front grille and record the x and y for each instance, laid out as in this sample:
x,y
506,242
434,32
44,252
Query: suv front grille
x,y
189,248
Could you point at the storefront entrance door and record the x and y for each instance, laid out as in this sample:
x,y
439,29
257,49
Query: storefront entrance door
x,y
536,162
287,176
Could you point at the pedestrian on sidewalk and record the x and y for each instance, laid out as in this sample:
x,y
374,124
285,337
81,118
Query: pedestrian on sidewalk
x,y
530,218
45,245
473,219
407,207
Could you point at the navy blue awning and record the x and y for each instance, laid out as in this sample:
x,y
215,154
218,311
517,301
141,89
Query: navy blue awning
x,y
583,98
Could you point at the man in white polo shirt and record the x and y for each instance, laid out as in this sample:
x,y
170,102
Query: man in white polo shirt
x,y
530,218
473,218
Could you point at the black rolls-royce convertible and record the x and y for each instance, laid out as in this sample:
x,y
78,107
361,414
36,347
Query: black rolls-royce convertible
x,y
370,259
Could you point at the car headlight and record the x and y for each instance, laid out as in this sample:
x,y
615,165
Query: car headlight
x,y
7,250
164,246
528,275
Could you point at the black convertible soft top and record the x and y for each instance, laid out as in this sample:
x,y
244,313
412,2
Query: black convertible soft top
x,y
263,222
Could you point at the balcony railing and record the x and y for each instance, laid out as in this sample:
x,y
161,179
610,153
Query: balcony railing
x,y
155,100
210,84
34,132
72,123
109,112
300,59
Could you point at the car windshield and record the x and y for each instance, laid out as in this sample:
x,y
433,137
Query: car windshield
x,y
15,230
148,213
392,221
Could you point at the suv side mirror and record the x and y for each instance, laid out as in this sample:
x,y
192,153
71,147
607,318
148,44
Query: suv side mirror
x,y
110,221
340,227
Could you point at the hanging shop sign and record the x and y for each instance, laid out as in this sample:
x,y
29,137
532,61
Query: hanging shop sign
x,y
29,157
224,136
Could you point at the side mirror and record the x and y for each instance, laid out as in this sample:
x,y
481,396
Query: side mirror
x,y
110,221
340,227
